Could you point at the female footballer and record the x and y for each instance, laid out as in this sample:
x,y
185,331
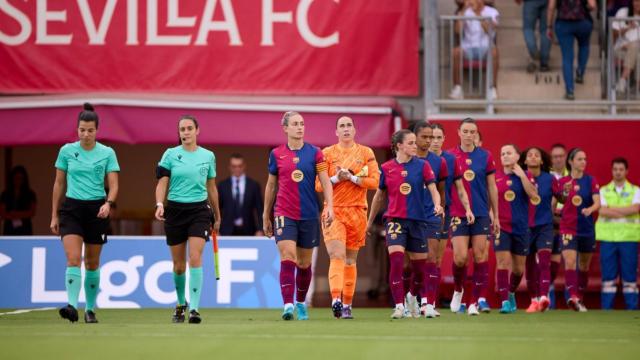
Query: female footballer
x,y
293,168
408,214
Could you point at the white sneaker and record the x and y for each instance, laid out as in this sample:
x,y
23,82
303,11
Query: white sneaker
x,y
621,86
473,310
456,300
429,311
493,93
456,93
581,307
411,306
436,312
398,312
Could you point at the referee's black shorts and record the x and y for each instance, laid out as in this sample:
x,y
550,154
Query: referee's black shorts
x,y
80,217
184,220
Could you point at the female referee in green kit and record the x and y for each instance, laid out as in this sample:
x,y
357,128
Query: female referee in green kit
x,y
81,168
189,172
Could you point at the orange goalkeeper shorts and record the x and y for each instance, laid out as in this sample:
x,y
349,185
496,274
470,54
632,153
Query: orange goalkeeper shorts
x,y
349,226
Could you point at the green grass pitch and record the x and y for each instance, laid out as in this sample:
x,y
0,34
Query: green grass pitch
x,y
260,334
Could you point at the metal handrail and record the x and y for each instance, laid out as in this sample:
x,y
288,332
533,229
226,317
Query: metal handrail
x,y
611,63
451,20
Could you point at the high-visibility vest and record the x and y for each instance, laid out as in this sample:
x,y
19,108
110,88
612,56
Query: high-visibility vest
x,y
623,229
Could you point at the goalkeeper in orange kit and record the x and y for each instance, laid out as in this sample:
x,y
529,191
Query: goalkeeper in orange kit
x,y
353,170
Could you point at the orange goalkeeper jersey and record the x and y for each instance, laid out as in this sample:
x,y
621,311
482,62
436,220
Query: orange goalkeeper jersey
x,y
361,162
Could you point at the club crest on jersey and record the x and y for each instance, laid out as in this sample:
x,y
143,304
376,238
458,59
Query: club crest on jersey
x,y
509,195
468,161
203,171
405,188
279,232
576,188
509,182
469,175
297,176
99,169
535,200
566,238
393,236
404,173
576,200
296,160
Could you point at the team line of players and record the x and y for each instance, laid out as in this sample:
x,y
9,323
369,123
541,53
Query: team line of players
x,y
431,195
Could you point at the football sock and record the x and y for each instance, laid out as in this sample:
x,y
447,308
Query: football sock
x,y
180,281
195,285
349,289
287,280
91,287
72,284
336,277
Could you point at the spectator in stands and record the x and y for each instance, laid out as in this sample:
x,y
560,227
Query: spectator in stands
x,y
18,204
240,201
573,20
627,42
618,230
477,39
535,11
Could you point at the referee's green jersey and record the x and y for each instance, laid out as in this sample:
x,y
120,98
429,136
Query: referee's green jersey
x,y
189,173
86,169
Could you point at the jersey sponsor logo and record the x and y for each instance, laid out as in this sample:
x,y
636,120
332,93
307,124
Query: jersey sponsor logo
x,y
98,169
469,175
76,154
535,200
509,195
297,175
405,188
179,157
283,156
576,200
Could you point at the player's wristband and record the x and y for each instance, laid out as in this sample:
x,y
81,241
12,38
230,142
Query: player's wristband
x,y
335,179
354,179
159,204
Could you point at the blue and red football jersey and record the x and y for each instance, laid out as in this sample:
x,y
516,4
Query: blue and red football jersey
x,y
513,203
475,167
440,172
580,196
296,171
405,184
540,209
453,174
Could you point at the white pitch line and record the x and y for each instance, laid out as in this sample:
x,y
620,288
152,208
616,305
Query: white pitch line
x,y
523,339
24,311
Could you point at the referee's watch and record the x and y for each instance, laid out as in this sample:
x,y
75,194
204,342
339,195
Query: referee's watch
x,y
159,204
110,202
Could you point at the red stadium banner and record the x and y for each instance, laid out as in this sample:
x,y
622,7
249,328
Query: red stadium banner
x,y
311,47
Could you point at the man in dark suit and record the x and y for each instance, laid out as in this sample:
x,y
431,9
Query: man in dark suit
x,y
240,201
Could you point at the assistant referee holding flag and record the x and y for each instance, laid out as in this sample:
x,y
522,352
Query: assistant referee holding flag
x,y
189,171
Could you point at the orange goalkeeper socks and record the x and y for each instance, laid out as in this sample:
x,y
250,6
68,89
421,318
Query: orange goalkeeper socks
x,y
350,277
336,277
